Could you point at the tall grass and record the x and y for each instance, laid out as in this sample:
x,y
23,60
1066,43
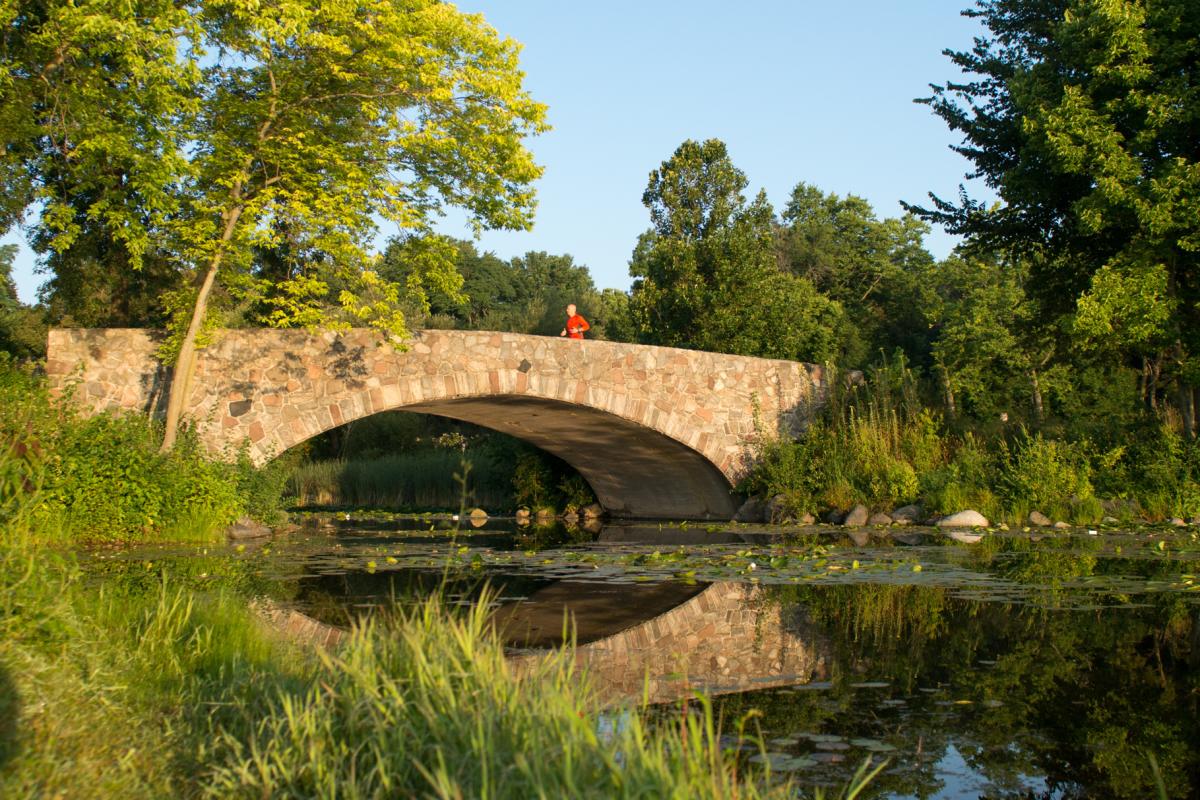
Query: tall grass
x,y
421,479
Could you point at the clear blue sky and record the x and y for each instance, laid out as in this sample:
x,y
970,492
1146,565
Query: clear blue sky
x,y
819,92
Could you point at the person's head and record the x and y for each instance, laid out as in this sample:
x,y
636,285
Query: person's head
x,y
570,309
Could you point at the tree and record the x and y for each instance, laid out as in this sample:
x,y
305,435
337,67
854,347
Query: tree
x,y
706,275
276,125
1084,116
874,268
22,330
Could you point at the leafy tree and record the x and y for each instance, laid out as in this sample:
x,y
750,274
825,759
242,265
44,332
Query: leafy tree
x,y
22,329
706,275
875,268
219,129
1084,116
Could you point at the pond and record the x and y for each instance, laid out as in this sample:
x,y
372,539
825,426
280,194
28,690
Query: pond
x,y
1024,664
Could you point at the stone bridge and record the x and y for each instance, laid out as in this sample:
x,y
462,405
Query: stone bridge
x,y
657,432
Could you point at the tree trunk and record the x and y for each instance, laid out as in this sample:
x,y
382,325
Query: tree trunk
x,y
951,410
1036,385
185,364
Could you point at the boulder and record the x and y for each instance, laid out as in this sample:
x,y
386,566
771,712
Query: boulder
x,y
879,518
522,513
777,510
751,511
593,511
907,515
1177,522
834,517
964,519
1110,521
477,513
857,516
1061,526
806,519
544,515
246,528
1039,519
571,518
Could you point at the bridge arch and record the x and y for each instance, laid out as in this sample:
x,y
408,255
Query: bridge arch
x,y
657,432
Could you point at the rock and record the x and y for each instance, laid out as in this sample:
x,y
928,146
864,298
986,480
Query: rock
x,y
544,515
477,513
593,511
1194,521
806,519
835,517
571,518
860,538
1039,519
777,511
964,519
1061,526
906,515
857,516
522,513
592,526
1110,520
751,511
1177,522
246,528
879,518
964,537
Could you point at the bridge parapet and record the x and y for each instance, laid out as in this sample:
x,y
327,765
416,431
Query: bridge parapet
x,y
657,431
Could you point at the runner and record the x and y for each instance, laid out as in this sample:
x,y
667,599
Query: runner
x,y
576,324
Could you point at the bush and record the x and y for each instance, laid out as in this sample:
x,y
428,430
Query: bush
x,y
1049,475
101,478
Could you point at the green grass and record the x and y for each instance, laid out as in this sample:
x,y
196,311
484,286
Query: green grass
x,y
415,480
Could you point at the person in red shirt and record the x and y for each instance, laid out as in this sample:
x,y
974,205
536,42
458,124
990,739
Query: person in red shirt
x,y
576,324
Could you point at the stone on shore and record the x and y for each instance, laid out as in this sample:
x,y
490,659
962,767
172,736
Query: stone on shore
x,y
777,511
806,519
964,519
879,518
1039,519
907,515
751,511
857,517
592,511
522,513
1061,526
246,528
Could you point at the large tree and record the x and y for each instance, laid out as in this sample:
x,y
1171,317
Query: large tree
x,y
217,130
875,268
1084,117
706,275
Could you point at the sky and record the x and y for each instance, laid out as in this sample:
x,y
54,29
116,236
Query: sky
x,y
819,92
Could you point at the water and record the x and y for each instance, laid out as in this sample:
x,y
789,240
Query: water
x,y
1023,665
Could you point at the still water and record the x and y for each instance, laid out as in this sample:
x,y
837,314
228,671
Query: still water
x,y
1020,665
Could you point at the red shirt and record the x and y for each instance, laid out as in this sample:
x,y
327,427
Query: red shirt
x,y
576,325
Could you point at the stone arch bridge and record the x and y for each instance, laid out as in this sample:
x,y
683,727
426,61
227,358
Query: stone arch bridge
x,y
657,432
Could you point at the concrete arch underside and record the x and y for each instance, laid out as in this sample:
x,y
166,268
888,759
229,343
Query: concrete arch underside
x,y
634,471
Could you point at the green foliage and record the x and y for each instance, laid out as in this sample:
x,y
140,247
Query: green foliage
x,y
103,479
706,275
1081,115
1049,475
